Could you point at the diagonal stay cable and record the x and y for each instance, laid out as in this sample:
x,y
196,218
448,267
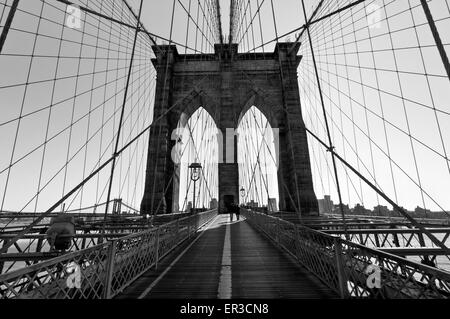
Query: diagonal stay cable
x,y
399,209
95,172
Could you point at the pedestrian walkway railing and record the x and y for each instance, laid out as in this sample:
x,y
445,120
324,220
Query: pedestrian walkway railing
x,y
350,269
35,246
104,270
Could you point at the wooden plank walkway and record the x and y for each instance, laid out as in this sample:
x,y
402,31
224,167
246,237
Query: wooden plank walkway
x,y
228,260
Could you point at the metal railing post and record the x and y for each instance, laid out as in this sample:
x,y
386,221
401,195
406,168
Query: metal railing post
x,y
2,263
297,243
277,231
189,227
340,268
110,269
157,248
177,232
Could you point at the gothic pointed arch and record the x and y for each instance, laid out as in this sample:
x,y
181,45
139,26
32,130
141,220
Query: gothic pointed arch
x,y
226,84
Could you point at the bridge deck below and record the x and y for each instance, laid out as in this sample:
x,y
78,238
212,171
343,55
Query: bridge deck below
x,y
258,269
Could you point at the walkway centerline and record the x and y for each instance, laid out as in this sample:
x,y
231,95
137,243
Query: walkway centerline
x,y
225,286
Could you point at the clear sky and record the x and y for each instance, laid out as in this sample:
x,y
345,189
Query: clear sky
x,y
385,92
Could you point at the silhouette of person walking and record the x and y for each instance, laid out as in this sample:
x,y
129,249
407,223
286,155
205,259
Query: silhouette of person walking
x,y
229,207
237,211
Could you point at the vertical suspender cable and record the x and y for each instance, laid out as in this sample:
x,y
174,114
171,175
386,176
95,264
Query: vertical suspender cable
x,y
163,101
330,145
122,115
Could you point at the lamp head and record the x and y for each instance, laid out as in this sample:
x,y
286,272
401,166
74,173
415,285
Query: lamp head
x,y
195,171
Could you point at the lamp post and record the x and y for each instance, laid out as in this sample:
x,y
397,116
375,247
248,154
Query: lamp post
x,y
242,190
195,176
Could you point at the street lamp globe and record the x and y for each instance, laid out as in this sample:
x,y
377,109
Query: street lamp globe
x,y
242,190
195,171
195,176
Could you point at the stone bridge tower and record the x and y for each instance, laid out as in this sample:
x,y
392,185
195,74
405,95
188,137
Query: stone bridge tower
x,y
227,84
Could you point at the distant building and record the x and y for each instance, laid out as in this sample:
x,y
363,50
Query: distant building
x,y
213,203
252,203
189,206
421,212
381,210
345,208
361,210
273,205
325,205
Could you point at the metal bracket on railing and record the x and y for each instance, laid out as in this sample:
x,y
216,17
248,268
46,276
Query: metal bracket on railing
x,y
157,248
340,268
297,243
189,229
110,268
277,231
